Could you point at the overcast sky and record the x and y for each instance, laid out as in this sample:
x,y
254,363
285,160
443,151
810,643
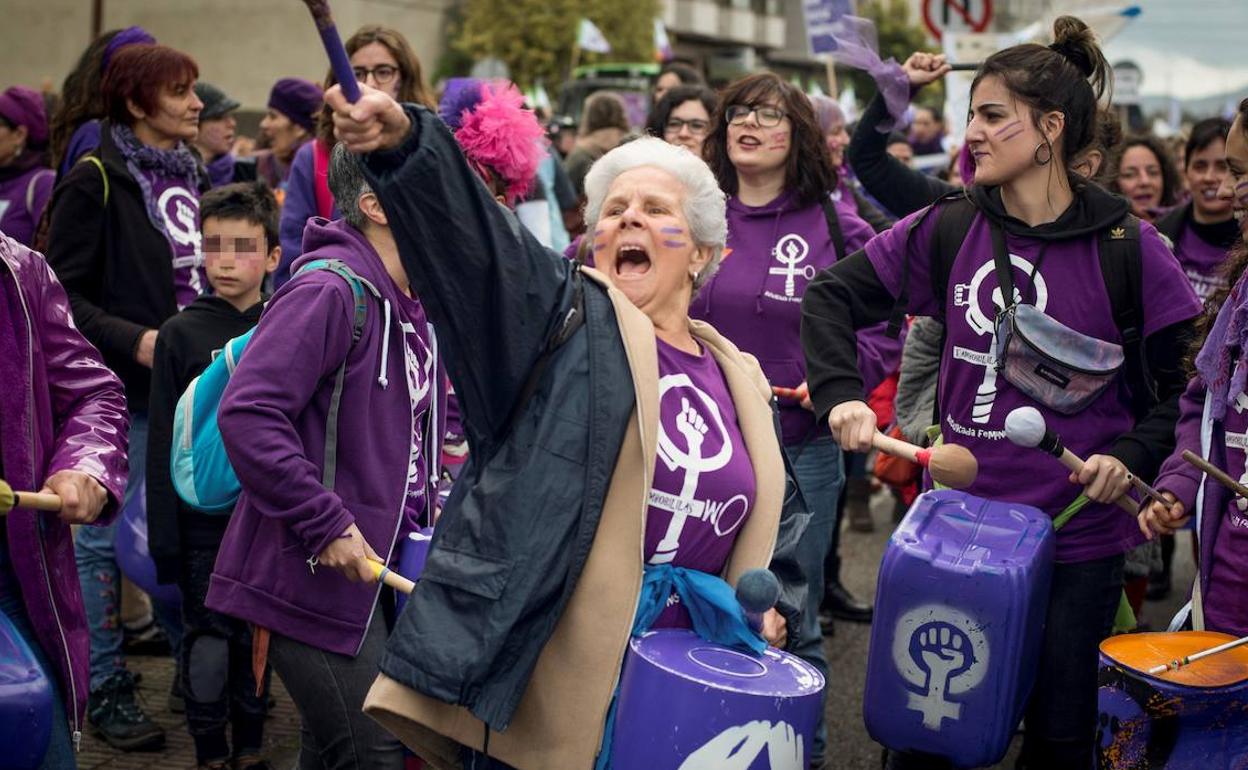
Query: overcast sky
x,y
1187,48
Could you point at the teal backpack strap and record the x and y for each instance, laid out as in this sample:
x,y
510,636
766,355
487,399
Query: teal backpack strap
x,y
360,289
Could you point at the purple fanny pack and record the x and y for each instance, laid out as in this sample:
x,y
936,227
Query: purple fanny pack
x,y
1061,368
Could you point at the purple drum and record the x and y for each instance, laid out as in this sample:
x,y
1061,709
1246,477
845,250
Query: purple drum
x,y
25,702
133,556
689,704
959,614
412,554
1195,718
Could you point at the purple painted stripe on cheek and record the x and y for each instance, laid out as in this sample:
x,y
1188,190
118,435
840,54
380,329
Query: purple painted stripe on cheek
x,y
1008,127
599,246
675,244
671,231
1013,135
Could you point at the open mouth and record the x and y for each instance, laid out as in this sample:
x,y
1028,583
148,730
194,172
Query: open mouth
x,y
749,142
632,260
1209,194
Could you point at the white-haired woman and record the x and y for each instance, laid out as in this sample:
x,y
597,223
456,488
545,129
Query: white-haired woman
x,y
613,440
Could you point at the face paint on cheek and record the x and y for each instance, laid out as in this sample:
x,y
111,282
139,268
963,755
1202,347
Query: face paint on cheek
x,y
671,231
675,244
599,246
778,141
1241,192
1012,130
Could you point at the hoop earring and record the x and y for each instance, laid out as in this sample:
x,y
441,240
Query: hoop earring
x,y
1048,154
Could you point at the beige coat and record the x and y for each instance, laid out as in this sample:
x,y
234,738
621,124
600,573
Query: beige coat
x,y
558,724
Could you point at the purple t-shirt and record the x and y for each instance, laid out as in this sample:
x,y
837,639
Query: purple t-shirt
x,y
1202,262
180,209
773,252
421,374
1228,569
704,486
974,400
22,200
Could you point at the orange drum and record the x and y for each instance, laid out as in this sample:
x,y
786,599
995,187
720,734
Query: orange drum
x,y
1195,718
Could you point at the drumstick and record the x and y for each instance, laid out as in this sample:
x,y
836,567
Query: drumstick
x,y
338,61
968,66
951,465
1025,427
392,579
1175,665
1215,472
800,393
38,501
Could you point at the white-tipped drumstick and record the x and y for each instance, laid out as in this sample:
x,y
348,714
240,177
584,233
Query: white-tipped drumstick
x,y
1175,665
1025,427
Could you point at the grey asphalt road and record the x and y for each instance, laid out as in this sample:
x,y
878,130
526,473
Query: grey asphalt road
x,y
849,746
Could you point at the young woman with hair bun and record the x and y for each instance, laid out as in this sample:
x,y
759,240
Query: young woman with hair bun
x,y
1033,109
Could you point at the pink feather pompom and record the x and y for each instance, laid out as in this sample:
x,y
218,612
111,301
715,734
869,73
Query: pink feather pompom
x,y
501,135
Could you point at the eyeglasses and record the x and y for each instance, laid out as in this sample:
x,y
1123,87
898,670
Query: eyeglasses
x,y
697,126
767,117
382,73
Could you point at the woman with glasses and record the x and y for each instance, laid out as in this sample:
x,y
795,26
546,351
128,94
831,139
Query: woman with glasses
x,y
382,58
769,155
683,117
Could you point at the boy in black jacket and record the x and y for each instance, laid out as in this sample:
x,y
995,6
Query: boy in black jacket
x,y
240,244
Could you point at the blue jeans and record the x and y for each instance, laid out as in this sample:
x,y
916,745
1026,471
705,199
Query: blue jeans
x,y
101,578
820,475
60,755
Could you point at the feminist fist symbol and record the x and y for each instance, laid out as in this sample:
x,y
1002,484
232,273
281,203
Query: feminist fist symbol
x,y
692,426
940,646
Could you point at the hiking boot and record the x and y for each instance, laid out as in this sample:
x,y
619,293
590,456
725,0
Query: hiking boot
x,y
116,717
858,504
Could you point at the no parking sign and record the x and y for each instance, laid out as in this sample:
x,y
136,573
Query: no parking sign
x,y
942,16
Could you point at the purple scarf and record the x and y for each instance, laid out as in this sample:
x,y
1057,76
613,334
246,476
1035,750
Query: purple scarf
x,y
1226,377
177,163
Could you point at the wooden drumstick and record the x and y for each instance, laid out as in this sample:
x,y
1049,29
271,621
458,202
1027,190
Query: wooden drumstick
x,y
1175,665
950,465
1025,427
390,578
1215,472
37,501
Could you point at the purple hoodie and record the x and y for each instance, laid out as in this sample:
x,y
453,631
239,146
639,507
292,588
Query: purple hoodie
x,y
58,392
773,252
273,419
297,209
22,200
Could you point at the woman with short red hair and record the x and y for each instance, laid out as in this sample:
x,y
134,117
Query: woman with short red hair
x,y
124,240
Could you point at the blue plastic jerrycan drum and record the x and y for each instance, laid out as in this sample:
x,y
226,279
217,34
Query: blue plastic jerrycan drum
x,y
25,702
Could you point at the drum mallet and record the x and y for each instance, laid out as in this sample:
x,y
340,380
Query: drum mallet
x,y
1025,427
1215,472
391,578
950,465
36,501
1175,665
758,590
338,61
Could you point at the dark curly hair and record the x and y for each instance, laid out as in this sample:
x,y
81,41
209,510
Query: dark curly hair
x,y
808,169
1171,184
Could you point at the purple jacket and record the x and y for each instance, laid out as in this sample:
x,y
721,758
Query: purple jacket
x,y
23,198
297,209
1183,479
58,392
273,419
773,252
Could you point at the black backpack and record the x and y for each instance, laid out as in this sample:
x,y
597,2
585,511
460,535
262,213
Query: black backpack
x,y
1121,270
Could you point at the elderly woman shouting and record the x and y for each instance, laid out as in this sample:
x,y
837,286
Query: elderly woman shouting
x,y
612,439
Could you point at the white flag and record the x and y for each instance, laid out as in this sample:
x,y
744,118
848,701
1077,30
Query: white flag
x,y
590,38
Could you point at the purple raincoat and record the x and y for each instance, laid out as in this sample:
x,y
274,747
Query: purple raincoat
x,y
58,392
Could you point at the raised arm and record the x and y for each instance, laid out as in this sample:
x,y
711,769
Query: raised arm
x,y
494,294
